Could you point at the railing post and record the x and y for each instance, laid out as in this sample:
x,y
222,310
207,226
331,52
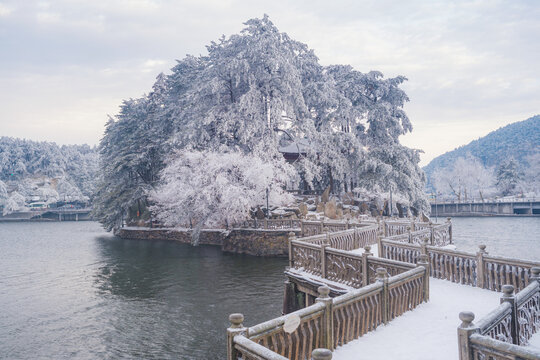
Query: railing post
x,y
323,260
327,339
265,223
302,228
236,328
409,232
321,354
535,274
508,296
379,247
480,267
382,277
412,224
449,220
423,261
423,247
292,236
431,233
348,224
322,227
365,274
290,300
465,330
384,228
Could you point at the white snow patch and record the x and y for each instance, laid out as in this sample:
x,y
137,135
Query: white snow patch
x,y
316,278
374,250
534,341
427,332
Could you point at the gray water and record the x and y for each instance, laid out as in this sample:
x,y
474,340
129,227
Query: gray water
x,y
72,291
504,236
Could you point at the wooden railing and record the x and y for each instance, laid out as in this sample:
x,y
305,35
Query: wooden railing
x,y
270,224
330,322
314,256
480,269
504,331
308,227
351,239
418,233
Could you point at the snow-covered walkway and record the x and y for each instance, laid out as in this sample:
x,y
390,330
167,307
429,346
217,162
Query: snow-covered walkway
x,y
428,332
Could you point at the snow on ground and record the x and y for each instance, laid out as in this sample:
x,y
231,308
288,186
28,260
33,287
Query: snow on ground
x,y
535,341
427,332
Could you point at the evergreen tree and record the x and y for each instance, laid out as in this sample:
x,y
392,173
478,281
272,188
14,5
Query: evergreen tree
x,y
238,99
508,176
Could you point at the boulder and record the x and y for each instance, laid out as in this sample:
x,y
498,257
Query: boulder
x,y
303,209
259,214
325,195
330,209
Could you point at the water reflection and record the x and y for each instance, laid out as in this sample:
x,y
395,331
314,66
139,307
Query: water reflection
x,y
175,299
71,291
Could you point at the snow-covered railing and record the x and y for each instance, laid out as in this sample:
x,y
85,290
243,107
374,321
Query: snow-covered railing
x,y
308,227
330,322
351,239
316,257
480,269
417,233
503,333
270,224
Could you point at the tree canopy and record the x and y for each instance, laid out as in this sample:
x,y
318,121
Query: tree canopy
x,y
237,98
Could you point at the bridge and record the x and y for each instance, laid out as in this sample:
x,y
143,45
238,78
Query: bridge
x,y
64,214
335,294
487,208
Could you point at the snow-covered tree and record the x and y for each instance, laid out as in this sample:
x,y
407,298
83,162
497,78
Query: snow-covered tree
x,y
215,189
466,179
531,175
14,203
3,193
26,163
508,176
238,97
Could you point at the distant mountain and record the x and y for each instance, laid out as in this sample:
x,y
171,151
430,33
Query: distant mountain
x,y
517,140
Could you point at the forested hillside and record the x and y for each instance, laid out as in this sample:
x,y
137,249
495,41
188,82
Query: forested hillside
x,y
43,171
506,162
250,94
518,140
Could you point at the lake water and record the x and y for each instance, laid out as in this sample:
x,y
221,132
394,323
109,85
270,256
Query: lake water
x,y
504,236
71,290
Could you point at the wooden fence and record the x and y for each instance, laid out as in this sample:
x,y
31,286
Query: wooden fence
x,y
480,269
330,322
502,333
351,239
308,227
314,256
418,233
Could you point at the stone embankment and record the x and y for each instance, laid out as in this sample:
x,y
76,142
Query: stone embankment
x,y
258,242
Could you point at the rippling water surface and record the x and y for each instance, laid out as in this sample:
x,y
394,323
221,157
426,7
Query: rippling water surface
x,y
71,290
504,236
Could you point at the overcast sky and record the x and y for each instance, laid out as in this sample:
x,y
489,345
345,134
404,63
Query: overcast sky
x,y
473,66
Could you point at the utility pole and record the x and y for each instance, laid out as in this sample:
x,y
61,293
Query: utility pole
x,y
267,207
391,209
